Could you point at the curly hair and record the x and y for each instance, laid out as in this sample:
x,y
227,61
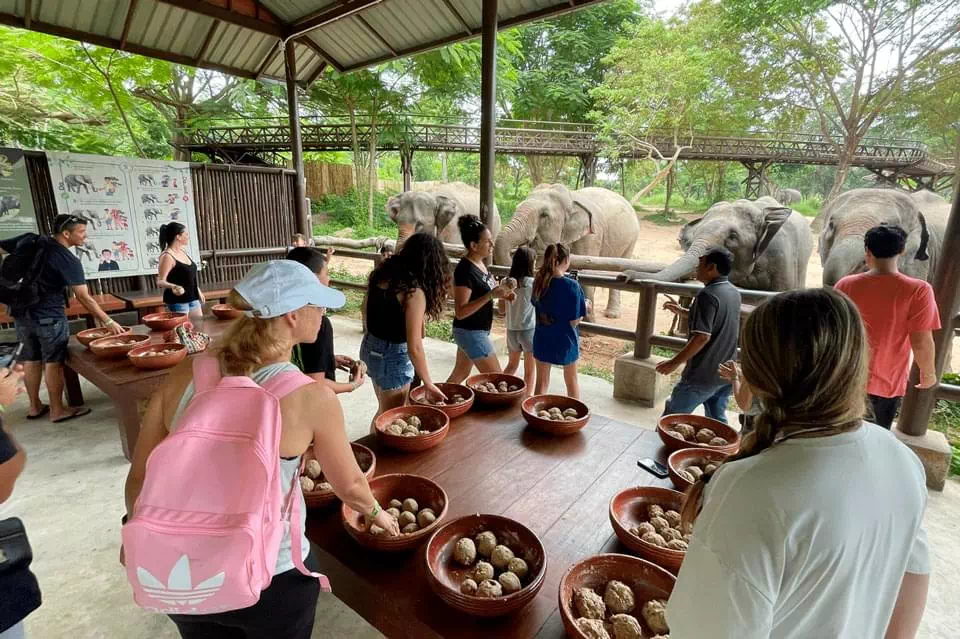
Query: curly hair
x,y
421,263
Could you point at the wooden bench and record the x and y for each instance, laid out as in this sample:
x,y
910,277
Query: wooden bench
x,y
151,300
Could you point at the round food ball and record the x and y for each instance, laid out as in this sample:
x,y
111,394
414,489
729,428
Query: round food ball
x,y
686,475
411,506
619,597
457,399
482,571
654,510
554,411
659,524
686,431
677,544
695,471
642,529
569,418
654,538
510,582
704,435
655,614
514,388
544,414
486,542
396,503
626,627
394,429
414,421
313,469
306,484
718,441
592,628
406,518
709,468
465,552
393,512
468,587
670,534
518,567
672,517
410,528
500,557
324,485
377,531
426,517
490,589
589,604
570,412
411,430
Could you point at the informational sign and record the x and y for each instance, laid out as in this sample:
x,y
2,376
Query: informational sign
x,y
16,204
126,201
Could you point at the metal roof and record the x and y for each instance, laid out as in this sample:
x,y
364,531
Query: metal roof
x,y
245,37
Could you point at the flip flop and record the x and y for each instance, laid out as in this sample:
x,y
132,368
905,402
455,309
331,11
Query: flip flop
x,y
79,413
43,411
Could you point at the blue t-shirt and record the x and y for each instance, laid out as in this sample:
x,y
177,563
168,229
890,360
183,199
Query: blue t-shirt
x,y
555,340
61,269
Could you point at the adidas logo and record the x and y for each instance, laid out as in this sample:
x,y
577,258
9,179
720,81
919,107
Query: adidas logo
x,y
179,589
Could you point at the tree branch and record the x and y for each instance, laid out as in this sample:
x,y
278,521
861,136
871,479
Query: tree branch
x,y
116,98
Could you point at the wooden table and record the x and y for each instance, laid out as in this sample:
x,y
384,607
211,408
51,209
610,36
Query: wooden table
x,y
128,386
151,300
490,463
109,303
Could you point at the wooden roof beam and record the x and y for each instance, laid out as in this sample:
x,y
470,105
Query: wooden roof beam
x,y
321,18
308,41
271,28
316,74
206,41
127,21
268,60
463,23
376,35
27,13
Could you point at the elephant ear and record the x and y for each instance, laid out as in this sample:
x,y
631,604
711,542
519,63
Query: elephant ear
x,y
446,211
922,254
587,206
773,221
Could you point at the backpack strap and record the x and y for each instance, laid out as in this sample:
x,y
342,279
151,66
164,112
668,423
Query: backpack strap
x,y
282,384
206,373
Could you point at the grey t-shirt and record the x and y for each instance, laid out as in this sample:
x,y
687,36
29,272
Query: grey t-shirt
x,y
715,312
520,313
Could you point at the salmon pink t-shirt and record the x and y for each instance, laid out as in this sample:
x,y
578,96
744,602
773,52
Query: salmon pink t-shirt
x,y
893,306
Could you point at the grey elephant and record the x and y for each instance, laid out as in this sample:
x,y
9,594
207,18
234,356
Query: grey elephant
x,y
771,245
848,217
437,210
76,182
789,196
9,203
591,221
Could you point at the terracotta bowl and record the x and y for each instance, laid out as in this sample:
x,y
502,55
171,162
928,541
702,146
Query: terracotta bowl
x,y
433,419
445,575
90,334
496,399
117,346
648,581
628,508
532,405
365,459
225,312
138,359
399,486
682,458
418,396
164,321
672,442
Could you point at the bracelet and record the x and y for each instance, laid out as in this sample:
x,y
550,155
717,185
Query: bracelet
x,y
376,509
110,321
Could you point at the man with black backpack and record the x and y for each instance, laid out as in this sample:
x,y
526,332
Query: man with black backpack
x,y
34,280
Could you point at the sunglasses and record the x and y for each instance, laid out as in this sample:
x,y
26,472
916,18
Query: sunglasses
x,y
72,219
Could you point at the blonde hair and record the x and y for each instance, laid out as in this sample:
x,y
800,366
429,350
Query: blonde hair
x,y
555,255
249,342
805,355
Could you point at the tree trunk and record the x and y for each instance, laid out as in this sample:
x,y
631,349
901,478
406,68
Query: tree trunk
x,y
355,143
372,159
844,158
956,168
662,173
671,178
720,186
535,167
443,166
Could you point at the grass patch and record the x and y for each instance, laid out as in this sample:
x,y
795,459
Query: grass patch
x,y
946,419
807,207
441,329
664,219
347,276
350,211
595,371
660,351
352,306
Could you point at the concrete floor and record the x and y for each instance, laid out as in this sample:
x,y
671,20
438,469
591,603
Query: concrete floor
x,y
71,500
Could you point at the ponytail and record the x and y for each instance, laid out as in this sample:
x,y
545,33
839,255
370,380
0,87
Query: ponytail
x,y
168,233
555,255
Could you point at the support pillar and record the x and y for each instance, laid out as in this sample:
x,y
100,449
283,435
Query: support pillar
x,y
296,142
755,175
588,167
406,167
488,109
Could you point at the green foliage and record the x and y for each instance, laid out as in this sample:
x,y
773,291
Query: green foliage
x,y
346,276
664,219
946,419
807,207
441,329
350,211
595,371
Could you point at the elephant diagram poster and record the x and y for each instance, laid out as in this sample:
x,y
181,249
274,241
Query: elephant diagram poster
x,y
126,201
16,203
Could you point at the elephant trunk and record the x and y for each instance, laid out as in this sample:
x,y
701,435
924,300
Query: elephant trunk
x,y
510,238
846,257
683,265
404,232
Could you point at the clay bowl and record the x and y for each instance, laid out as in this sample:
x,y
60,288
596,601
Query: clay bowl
x,y
164,321
682,458
673,442
628,508
496,399
320,498
418,396
445,575
399,486
91,334
117,346
137,358
648,581
532,405
432,419
225,312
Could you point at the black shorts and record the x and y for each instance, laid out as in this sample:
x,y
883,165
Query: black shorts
x,y
44,340
884,410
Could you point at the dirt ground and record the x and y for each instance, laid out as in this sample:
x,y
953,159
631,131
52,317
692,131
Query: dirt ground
x,y
657,243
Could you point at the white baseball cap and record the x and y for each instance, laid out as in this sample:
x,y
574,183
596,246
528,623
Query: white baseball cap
x,y
276,288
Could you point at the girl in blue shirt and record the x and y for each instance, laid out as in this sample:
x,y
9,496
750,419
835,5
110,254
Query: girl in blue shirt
x,y
560,306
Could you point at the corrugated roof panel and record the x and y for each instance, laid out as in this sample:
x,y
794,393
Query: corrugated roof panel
x,y
293,10
240,48
472,12
186,36
306,62
409,23
348,44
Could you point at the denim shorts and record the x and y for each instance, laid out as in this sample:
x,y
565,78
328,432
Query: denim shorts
x,y
520,341
185,307
476,344
44,340
388,363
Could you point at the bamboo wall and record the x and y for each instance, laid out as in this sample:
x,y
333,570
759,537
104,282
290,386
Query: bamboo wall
x,y
324,178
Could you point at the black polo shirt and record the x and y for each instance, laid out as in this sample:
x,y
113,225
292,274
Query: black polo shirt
x,y
715,312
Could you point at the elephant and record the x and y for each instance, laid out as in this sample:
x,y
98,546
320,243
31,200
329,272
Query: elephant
x,y
591,221
771,245
789,196
437,210
848,217
9,203
75,182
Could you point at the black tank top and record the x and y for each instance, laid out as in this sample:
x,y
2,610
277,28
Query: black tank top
x,y
385,315
184,275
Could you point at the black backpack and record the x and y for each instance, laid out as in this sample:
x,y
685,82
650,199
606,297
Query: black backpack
x,y
20,273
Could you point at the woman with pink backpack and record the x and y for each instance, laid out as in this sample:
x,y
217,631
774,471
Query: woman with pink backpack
x,y
215,535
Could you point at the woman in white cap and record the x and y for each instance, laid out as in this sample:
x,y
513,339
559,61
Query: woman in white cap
x,y
284,304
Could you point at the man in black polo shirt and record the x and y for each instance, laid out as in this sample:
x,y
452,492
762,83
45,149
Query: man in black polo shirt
x,y
714,320
42,327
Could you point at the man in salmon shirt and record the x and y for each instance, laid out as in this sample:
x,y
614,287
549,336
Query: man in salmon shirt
x,y
900,314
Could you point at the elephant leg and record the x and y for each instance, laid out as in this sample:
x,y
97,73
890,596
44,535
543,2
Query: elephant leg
x,y
613,299
590,293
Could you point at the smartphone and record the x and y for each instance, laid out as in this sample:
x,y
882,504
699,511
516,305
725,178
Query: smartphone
x,y
9,358
654,467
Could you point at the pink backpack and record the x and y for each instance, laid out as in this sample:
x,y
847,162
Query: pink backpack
x,y
206,529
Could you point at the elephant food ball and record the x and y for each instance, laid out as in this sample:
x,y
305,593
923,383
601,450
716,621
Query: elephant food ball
x,y
414,421
514,388
510,582
704,435
695,471
465,552
626,627
677,544
503,387
671,534
410,528
410,430
490,589
410,505
642,529
313,469
570,412
482,571
394,429
426,517
654,538
544,414
306,484
654,510
486,542
324,485
718,441
468,587
394,512
518,567
569,418
457,399
619,597
501,556
589,604
655,614
685,431
396,503
592,628
406,518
